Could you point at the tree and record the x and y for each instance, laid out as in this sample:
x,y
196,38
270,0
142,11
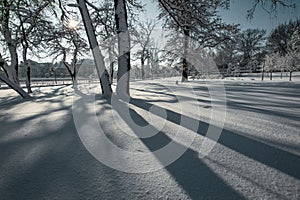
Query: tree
x,y
19,19
294,43
281,36
78,48
10,41
269,6
106,29
293,63
30,23
226,55
123,48
197,20
250,44
10,83
142,37
294,52
271,63
70,43
98,57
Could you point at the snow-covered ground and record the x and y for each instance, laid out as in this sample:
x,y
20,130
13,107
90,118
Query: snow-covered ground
x,y
43,155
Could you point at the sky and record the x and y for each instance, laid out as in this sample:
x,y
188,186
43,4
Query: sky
x,y
262,19
238,14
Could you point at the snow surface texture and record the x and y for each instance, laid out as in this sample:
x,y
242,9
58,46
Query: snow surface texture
x,y
256,157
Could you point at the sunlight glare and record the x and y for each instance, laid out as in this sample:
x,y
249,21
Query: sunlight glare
x,y
72,24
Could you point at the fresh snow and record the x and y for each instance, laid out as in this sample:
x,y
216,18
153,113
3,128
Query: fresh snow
x,y
257,155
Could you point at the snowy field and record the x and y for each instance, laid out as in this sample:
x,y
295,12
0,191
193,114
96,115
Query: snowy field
x,y
257,155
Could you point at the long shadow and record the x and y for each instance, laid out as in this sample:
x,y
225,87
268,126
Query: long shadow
x,y
281,160
194,176
45,97
237,93
236,96
55,165
247,107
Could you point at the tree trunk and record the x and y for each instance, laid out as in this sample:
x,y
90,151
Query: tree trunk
x,y
143,68
123,48
55,78
111,61
14,86
291,72
26,65
13,68
28,79
11,83
72,73
271,76
112,72
263,72
98,57
184,76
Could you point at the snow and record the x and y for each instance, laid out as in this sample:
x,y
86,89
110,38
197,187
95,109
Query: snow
x,y
257,156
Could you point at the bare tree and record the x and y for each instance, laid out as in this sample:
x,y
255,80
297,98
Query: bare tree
x,y
142,37
270,6
69,44
197,20
19,19
30,22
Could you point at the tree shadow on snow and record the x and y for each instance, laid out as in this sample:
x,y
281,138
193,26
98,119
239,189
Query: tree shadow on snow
x,y
276,158
193,175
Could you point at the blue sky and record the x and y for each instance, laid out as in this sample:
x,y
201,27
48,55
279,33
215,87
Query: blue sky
x,y
238,14
262,19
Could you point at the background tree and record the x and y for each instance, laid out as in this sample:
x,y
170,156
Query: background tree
x,y
250,44
142,38
271,63
294,43
197,20
69,44
103,15
226,55
293,63
280,37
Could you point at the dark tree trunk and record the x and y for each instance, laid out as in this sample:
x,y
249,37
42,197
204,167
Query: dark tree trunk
x,y
271,76
143,68
184,76
111,73
71,72
28,79
263,72
111,60
291,73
